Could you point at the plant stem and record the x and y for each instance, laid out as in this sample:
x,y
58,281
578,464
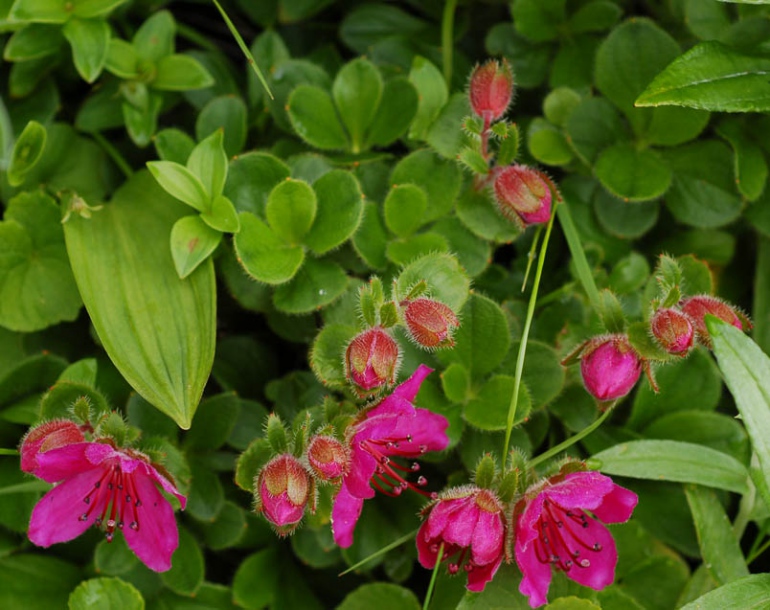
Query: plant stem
x,y
579,255
396,543
113,153
566,444
531,257
447,39
523,345
9,452
429,593
745,509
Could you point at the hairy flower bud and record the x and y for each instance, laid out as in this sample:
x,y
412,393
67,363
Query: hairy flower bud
x,y
491,89
610,367
523,195
673,330
46,436
430,323
328,458
698,306
371,359
283,490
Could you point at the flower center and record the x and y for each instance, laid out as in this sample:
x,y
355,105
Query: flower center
x,y
388,477
563,536
115,495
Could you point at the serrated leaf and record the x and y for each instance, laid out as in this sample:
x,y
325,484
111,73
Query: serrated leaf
x,y
160,339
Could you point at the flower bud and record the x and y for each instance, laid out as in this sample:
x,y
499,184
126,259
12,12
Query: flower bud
x,y
673,330
283,489
47,436
523,196
698,306
491,89
371,359
430,323
328,458
610,367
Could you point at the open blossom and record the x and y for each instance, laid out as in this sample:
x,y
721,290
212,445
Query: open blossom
x,y
469,522
553,530
371,359
392,429
283,489
610,367
116,489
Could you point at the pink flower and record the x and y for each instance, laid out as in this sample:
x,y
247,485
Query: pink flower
x,y
328,457
698,306
523,195
283,489
111,488
610,367
469,522
393,428
673,330
430,322
46,436
491,89
371,359
552,529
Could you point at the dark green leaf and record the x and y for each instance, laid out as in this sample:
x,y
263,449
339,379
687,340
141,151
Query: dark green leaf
x,y
105,594
317,283
632,174
186,573
26,152
314,118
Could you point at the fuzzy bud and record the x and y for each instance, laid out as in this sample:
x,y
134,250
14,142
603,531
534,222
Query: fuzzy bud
x,y
328,458
46,436
430,323
283,490
371,359
673,330
610,367
698,306
523,196
491,89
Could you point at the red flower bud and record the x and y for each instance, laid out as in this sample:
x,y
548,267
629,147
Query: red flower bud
x,y
698,306
673,330
328,458
430,323
47,436
523,195
283,489
491,89
371,359
610,367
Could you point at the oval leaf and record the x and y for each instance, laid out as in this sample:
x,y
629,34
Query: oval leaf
x,y
192,241
106,594
312,114
263,254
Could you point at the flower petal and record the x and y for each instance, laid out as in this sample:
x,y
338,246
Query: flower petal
x,y
427,547
157,537
64,462
617,505
479,576
580,490
487,541
601,569
56,517
526,525
345,514
409,389
536,576
441,514
460,527
362,467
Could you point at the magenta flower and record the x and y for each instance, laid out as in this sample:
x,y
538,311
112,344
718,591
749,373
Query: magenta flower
x,y
110,488
610,367
372,359
283,489
46,436
552,529
328,457
469,522
393,428
698,306
673,330
523,195
430,322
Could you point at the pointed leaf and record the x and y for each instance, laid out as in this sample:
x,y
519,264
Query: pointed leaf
x,y
749,592
227,113
223,216
158,330
432,95
357,90
180,182
90,39
180,73
192,241
122,59
26,152
208,162
155,38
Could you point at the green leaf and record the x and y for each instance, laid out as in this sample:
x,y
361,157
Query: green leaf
x,y
440,179
405,208
122,59
87,9
477,212
593,126
251,178
314,118
543,373
208,162
715,430
181,183
394,114
141,123
186,573
33,41
670,126
548,144
226,113
749,165
432,95
623,218
105,594
474,253
155,38
488,409
674,461
447,281
749,592
632,174
206,496
371,239
539,21
161,340
357,91
339,213
404,250
327,353
711,76
113,558
228,528
213,422
37,288
36,582
90,39
264,255
222,216
260,567
716,538
39,11
316,284
380,596
27,151
180,73
291,209
445,135
192,242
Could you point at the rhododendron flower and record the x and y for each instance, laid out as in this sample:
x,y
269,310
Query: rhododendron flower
x,y
430,322
393,428
116,489
553,530
469,522
283,489
610,367
371,359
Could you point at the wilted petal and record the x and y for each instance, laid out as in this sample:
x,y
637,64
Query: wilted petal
x,y
345,514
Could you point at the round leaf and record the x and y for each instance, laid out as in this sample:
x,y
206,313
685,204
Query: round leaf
x,y
326,356
488,410
226,112
192,242
441,180
186,573
263,254
340,210
357,90
314,118
446,279
251,178
405,208
394,114
317,283
380,596
632,174
291,209
222,216
105,594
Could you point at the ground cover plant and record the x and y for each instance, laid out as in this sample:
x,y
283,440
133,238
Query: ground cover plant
x,y
419,304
